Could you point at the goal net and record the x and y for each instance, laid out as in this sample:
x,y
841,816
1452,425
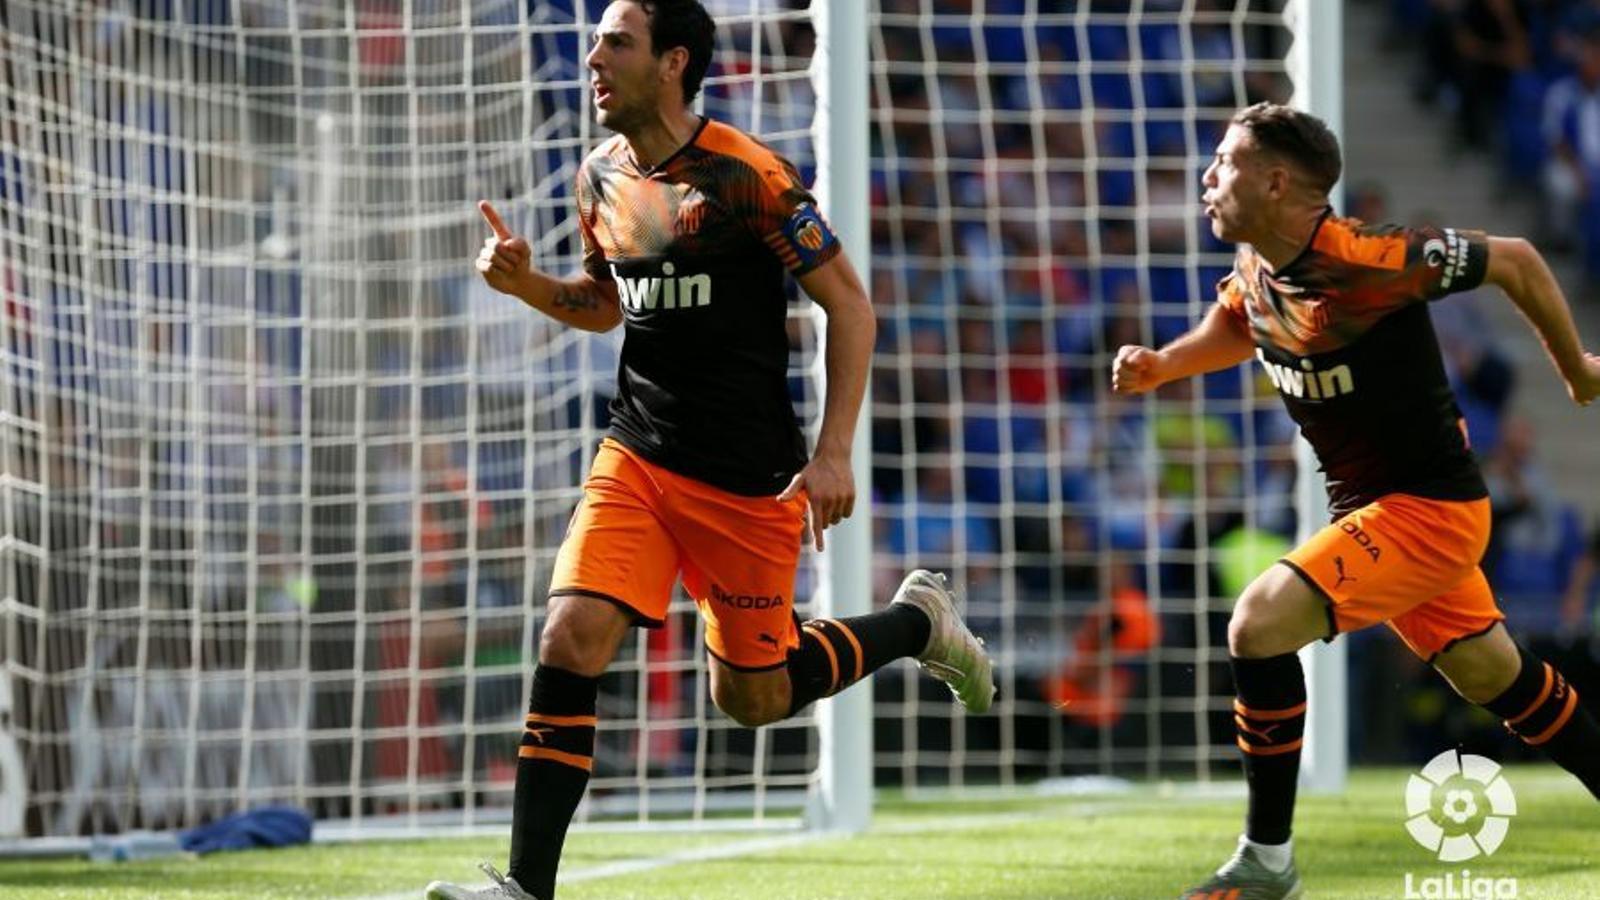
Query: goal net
x,y
284,482
1036,175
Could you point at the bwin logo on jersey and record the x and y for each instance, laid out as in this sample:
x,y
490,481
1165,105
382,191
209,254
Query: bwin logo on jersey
x,y
1309,383
665,292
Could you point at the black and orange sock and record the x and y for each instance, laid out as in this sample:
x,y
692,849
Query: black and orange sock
x,y
1544,710
836,653
553,766
1270,718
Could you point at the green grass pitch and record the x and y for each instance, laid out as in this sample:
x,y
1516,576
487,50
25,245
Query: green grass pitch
x,y
1145,844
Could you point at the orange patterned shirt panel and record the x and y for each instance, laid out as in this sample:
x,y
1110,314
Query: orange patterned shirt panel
x,y
1350,277
719,193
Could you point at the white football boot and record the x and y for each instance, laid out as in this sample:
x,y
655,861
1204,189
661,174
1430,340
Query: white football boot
x,y
954,654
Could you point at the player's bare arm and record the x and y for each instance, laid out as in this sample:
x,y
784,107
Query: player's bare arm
x,y
1517,267
829,484
506,264
1220,341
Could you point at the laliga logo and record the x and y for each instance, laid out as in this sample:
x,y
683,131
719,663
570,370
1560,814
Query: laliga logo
x,y
1459,809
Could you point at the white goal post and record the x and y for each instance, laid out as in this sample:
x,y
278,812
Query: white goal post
x,y
1316,66
843,799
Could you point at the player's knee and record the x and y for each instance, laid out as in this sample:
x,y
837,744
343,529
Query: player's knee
x,y
1253,635
1243,637
566,645
1277,614
749,708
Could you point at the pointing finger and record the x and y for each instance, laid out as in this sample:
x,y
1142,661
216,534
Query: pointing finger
x,y
493,218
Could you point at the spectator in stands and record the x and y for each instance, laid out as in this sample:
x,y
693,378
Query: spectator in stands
x,y
1199,451
1480,372
397,698
1536,537
1092,684
1369,202
1474,47
1571,124
1030,377
1580,608
930,389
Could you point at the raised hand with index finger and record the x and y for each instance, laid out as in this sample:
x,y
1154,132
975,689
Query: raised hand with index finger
x,y
505,257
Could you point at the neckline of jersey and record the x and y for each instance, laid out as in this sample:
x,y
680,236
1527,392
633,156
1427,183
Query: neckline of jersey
x,y
661,166
1327,213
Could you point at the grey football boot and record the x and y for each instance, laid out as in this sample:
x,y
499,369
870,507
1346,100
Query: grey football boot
x,y
1245,877
504,888
954,655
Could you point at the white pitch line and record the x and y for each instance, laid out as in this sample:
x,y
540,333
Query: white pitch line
x,y
785,842
634,866
702,854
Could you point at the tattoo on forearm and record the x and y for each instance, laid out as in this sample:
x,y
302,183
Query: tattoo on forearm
x,y
575,299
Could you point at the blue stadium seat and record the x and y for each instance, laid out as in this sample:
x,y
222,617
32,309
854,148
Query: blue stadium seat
x,y
1112,90
1107,43
1005,43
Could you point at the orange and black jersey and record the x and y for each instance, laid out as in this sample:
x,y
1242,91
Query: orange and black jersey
x,y
698,247
1343,335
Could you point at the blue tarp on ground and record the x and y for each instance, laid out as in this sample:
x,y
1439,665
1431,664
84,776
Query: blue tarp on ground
x,y
269,826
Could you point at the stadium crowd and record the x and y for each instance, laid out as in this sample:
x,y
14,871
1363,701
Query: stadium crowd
x,y
1020,426
1520,81
1027,221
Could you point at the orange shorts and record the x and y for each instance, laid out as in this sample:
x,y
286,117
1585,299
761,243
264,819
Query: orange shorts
x,y
1407,561
639,526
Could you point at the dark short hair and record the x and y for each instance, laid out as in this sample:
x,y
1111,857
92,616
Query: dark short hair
x,y
1299,137
686,24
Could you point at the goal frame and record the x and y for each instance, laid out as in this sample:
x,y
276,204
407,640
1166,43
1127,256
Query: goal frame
x,y
842,798
1315,63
